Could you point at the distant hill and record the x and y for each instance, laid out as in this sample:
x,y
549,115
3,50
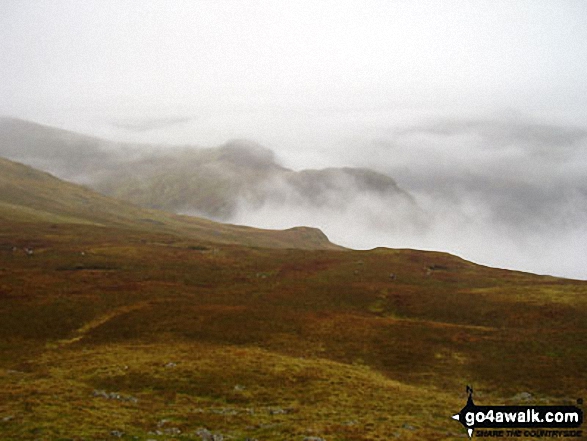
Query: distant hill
x,y
66,154
29,195
211,182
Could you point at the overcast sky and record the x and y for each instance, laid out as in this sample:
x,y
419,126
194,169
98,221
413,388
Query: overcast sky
x,y
426,91
193,57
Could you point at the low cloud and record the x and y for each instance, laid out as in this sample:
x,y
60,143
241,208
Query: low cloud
x,y
505,192
150,124
500,192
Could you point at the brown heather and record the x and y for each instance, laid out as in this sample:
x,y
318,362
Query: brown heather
x,y
112,327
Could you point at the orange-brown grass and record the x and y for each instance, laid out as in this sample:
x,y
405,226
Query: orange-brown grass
x,y
268,343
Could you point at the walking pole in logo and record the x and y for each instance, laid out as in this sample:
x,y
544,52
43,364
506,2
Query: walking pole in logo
x,y
470,406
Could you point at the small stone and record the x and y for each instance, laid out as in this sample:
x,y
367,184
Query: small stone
x,y
522,396
172,431
408,427
204,434
117,433
99,393
114,396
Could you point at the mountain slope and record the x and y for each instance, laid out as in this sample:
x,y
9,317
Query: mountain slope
x,y
216,183
105,331
122,322
30,195
66,154
237,176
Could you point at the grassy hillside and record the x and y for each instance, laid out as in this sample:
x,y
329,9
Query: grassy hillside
x,y
105,329
120,322
27,194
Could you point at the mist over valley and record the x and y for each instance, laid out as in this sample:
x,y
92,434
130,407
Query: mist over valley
x,y
502,192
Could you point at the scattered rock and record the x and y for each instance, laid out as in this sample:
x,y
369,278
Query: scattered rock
x,y
162,430
7,418
117,433
278,411
239,388
114,396
206,435
172,431
313,438
171,365
407,426
224,411
522,396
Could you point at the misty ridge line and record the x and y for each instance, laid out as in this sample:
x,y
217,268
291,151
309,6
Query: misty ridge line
x,y
504,193
212,182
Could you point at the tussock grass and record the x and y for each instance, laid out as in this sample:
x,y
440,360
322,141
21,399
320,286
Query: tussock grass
x,y
237,391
